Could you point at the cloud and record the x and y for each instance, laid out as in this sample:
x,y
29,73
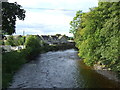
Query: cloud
x,y
45,18
50,16
58,4
50,30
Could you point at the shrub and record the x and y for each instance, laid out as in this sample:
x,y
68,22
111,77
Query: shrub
x,y
15,41
10,41
33,46
11,62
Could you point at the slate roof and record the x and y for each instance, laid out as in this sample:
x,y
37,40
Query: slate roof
x,y
54,37
45,37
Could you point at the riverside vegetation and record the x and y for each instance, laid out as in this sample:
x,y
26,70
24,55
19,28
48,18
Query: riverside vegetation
x,y
97,35
12,61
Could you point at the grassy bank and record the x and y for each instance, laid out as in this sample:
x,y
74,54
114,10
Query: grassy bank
x,y
59,47
11,62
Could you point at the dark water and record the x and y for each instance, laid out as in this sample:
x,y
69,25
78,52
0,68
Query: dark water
x,y
61,69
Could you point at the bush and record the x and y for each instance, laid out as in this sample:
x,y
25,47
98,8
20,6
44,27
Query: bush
x,y
32,41
33,46
19,40
10,41
11,62
15,41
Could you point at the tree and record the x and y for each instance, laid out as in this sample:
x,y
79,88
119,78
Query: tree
x,y
97,35
33,42
10,41
75,22
19,41
11,11
33,46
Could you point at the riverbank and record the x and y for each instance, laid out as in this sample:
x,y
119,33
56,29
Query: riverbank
x,y
57,47
59,69
106,72
13,61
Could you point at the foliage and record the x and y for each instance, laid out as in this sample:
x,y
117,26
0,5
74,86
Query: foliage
x,y
11,62
33,46
32,41
11,11
70,38
63,46
20,41
10,41
98,33
75,23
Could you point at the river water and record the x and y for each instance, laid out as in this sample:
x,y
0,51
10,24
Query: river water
x,y
60,69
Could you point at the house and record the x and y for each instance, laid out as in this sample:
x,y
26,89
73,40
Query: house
x,y
54,39
46,39
63,39
6,48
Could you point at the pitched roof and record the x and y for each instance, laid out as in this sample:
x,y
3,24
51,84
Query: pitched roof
x,y
54,37
62,36
45,37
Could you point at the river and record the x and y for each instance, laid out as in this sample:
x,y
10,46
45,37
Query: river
x,y
60,69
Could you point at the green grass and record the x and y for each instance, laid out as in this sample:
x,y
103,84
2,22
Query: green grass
x,y
11,62
59,47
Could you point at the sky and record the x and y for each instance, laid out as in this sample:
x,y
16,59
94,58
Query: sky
x,y
50,17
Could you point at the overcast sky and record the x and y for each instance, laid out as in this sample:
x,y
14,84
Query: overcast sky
x,y
49,17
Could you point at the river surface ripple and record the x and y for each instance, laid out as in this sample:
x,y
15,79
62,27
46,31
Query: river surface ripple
x,y
60,69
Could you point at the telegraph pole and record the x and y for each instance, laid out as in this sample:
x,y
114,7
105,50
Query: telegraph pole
x,y
23,38
23,32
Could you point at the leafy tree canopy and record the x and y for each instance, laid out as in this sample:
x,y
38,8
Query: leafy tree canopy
x,y
11,11
97,35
